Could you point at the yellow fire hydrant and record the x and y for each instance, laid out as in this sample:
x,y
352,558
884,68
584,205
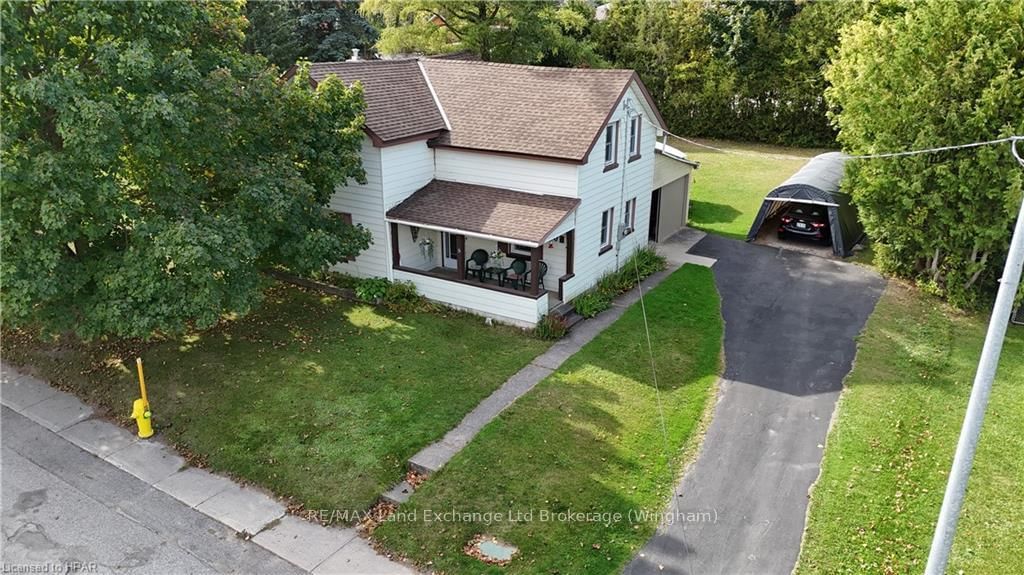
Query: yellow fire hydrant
x,y
140,409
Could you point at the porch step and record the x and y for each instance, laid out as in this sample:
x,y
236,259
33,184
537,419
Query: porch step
x,y
563,309
572,319
568,312
399,493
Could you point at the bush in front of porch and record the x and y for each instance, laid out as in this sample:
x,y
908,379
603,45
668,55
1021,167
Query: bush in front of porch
x,y
398,296
643,263
315,398
577,473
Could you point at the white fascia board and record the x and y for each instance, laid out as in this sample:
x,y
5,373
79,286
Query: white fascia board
x,y
464,232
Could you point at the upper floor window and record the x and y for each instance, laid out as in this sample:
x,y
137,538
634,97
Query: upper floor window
x,y
634,137
611,137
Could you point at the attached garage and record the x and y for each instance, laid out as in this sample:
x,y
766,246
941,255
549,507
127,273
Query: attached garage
x,y
670,198
817,182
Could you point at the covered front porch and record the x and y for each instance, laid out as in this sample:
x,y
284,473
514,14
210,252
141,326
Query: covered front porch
x,y
499,253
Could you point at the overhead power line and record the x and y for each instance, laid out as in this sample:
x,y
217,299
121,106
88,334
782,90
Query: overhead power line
x,y
1010,139
934,150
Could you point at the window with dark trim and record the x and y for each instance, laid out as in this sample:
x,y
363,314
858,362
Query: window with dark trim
x,y
607,222
629,219
634,138
611,145
519,250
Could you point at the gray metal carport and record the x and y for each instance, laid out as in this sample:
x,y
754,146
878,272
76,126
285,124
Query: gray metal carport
x,y
817,182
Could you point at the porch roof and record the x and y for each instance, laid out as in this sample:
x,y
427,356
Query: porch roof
x,y
498,213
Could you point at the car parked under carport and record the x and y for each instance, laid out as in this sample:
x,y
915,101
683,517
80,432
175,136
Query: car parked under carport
x,y
817,184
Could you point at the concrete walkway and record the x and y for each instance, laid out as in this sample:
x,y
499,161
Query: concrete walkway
x,y
435,456
77,488
791,320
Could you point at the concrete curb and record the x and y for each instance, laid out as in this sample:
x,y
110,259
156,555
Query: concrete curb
x,y
247,511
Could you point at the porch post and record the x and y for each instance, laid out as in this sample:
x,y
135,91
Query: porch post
x,y
570,251
570,255
460,255
535,270
396,257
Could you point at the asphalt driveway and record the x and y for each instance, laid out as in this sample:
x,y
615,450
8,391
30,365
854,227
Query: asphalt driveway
x,y
791,320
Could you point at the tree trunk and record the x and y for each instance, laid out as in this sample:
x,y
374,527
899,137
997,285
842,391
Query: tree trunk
x,y
935,265
977,273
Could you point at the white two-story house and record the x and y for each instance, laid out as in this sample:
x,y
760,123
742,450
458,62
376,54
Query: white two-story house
x,y
558,169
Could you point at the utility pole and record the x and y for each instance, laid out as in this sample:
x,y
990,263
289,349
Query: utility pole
x,y
956,487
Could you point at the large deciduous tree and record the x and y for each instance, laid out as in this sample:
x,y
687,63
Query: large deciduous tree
x,y
509,31
940,73
151,169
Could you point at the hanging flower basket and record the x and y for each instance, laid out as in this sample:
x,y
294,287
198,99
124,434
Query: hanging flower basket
x,y
427,249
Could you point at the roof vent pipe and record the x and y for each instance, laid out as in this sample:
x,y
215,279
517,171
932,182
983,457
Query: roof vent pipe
x,y
355,55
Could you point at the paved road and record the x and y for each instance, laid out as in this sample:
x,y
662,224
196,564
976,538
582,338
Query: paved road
x,y
63,506
790,324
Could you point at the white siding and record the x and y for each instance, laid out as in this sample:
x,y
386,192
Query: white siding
x,y
407,168
600,190
667,170
363,201
521,174
504,307
392,174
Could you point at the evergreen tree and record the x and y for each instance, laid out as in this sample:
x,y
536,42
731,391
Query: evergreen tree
x,y
317,30
942,73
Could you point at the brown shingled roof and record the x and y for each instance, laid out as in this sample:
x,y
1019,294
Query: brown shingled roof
x,y
534,110
398,100
521,216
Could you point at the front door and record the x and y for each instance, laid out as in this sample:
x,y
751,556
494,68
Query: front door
x,y
652,233
451,250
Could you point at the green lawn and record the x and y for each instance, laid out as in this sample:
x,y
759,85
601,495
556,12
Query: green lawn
x,y
874,508
312,397
728,189
586,439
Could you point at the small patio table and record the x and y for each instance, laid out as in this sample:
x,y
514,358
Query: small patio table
x,y
497,273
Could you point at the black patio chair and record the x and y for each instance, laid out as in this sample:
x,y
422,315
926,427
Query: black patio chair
x,y
516,273
540,279
479,258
